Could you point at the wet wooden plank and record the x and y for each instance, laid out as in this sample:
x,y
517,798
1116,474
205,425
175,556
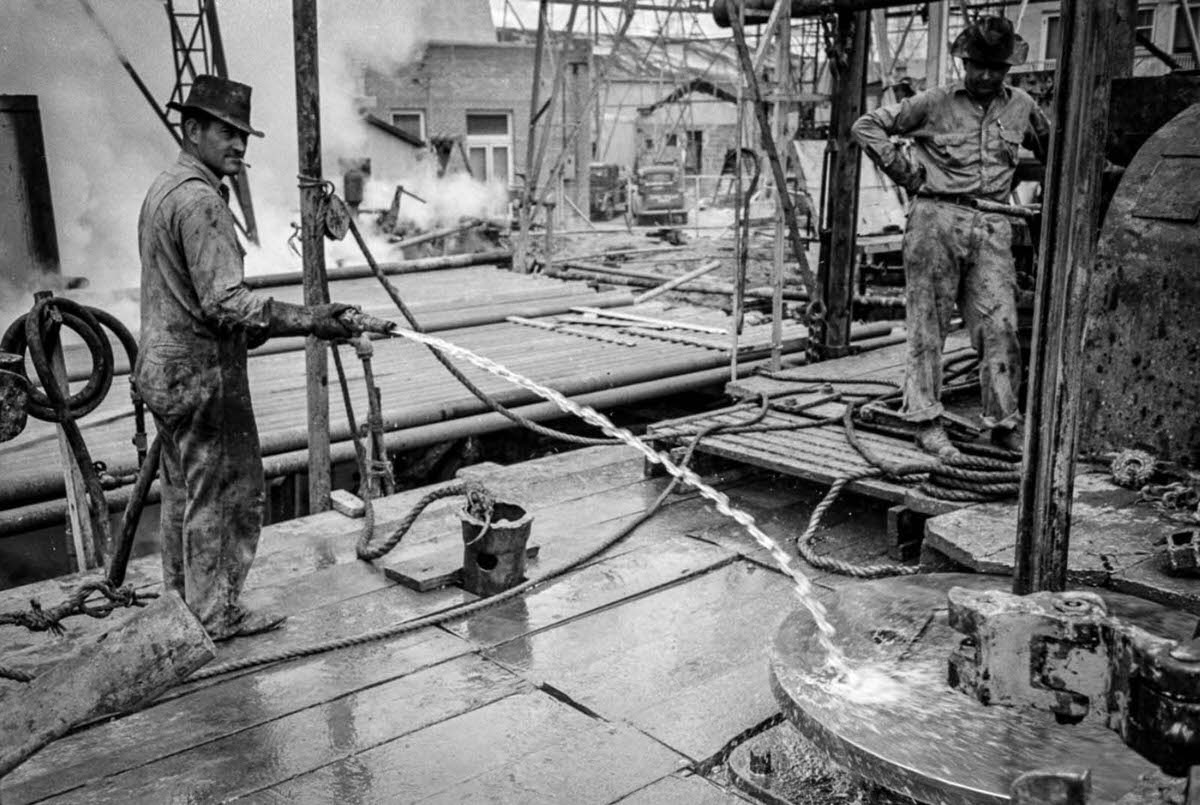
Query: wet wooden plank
x,y
343,618
1110,532
300,742
604,583
222,709
700,645
527,748
683,789
1150,579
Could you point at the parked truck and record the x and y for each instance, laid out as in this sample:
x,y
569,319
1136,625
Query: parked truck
x,y
609,191
658,195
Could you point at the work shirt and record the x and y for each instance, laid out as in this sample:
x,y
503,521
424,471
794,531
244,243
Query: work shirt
x,y
193,294
965,147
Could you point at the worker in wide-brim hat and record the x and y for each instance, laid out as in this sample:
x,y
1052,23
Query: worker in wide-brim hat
x,y
966,139
197,319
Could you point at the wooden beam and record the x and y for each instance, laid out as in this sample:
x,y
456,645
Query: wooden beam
x,y
1068,247
782,87
312,240
114,672
835,272
525,210
764,47
935,45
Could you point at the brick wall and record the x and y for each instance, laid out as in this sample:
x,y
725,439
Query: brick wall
x,y
451,80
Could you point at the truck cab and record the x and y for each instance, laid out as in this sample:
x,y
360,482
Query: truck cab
x,y
658,195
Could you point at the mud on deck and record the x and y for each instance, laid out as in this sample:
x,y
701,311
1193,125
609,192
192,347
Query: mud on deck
x,y
627,679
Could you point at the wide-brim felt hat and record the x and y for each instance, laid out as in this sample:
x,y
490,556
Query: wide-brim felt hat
x,y
227,101
990,40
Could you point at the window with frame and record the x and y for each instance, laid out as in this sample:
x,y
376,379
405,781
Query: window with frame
x,y
489,145
410,121
1052,32
1181,42
1051,37
1144,26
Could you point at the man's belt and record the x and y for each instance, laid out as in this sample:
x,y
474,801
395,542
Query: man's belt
x,y
985,205
961,199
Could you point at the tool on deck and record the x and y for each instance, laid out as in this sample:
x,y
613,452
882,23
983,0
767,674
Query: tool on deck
x,y
1064,653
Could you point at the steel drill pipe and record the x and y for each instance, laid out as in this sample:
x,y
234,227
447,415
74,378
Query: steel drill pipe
x,y
20,519
357,272
758,11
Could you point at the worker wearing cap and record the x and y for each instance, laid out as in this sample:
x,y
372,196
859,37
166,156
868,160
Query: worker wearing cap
x,y
965,141
197,319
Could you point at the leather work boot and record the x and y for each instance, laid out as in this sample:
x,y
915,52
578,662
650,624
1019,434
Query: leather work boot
x,y
933,439
1010,438
254,622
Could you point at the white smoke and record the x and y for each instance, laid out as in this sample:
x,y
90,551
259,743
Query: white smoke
x,y
105,144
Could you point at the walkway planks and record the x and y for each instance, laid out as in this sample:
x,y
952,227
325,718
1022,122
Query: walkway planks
x,y
609,682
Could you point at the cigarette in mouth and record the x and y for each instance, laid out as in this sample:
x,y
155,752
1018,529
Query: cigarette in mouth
x,y
245,164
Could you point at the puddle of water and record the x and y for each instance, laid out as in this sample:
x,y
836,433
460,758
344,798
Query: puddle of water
x,y
835,660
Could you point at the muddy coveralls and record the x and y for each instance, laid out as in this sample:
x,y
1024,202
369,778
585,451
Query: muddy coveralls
x,y
954,253
196,318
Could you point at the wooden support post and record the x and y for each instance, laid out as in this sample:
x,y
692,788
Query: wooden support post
x,y
88,535
835,272
783,54
1072,203
935,45
117,671
312,240
548,256
577,58
529,183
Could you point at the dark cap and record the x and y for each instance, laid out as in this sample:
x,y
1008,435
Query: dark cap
x,y
990,40
227,101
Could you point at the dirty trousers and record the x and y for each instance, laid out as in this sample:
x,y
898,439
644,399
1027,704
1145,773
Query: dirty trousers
x,y
955,254
212,483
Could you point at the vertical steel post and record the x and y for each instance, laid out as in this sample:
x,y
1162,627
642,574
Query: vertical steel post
x,y
1071,200
312,240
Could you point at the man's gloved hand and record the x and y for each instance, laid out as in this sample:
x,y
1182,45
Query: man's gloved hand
x,y
906,173
327,325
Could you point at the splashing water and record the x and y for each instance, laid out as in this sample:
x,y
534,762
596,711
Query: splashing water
x,y
835,660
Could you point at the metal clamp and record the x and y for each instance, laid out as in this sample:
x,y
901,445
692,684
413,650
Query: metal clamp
x,y
1063,653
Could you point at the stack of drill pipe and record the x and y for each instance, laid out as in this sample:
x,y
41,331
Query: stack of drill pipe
x,y
420,427
434,321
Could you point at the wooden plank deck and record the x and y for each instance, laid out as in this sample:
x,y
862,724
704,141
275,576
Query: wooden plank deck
x,y
415,389
821,454
627,677
1115,542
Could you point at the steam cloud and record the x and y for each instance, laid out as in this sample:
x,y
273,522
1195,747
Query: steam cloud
x,y
105,145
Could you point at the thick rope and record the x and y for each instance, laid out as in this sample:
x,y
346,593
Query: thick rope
x,y
37,619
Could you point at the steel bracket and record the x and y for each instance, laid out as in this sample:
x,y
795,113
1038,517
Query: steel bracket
x,y
1064,654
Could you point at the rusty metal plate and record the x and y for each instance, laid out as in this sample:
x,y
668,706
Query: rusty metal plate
x,y
1173,191
900,725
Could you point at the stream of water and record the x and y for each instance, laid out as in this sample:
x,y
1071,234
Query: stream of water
x,y
836,661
